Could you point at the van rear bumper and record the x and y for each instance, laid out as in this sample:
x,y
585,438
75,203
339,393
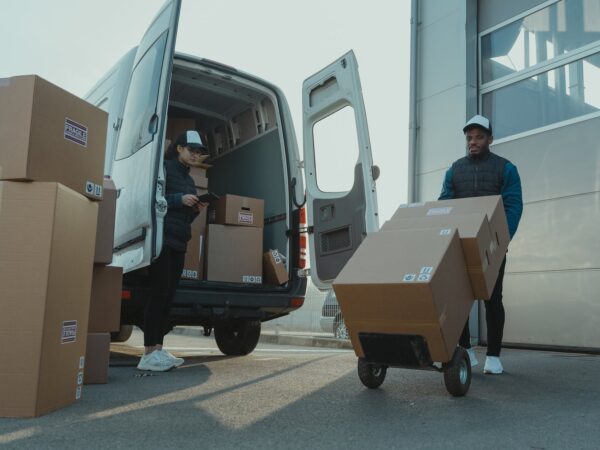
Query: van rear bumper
x,y
204,306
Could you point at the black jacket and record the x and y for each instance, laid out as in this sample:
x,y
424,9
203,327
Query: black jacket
x,y
177,229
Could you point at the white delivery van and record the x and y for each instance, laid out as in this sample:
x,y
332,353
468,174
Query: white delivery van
x,y
253,153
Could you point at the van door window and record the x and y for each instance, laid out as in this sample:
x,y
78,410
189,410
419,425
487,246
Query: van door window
x,y
336,150
141,101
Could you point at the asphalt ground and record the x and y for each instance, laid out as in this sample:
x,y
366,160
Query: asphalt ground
x,y
305,397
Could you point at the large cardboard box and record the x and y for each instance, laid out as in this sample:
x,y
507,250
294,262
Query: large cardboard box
x,y
97,358
47,235
237,210
193,266
48,134
105,301
476,241
274,269
234,254
105,231
403,283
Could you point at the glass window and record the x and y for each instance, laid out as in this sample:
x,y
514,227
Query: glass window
x,y
554,96
336,151
539,37
141,101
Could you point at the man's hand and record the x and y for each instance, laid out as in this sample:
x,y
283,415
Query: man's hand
x,y
189,200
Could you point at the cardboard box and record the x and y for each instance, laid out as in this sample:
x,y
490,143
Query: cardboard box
x,y
199,176
237,210
47,235
403,283
234,254
105,230
475,238
492,206
176,126
193,266
274,269
48,134
97,357
105,301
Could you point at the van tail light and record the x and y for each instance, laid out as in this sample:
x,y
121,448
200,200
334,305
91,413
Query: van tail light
x,y
125,295
302,239
297,302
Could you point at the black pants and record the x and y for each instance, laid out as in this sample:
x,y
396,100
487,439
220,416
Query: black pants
x,y
494,318
165,273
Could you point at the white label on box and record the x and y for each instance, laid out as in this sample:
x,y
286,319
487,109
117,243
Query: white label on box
x,y
80,378
69,332
409,277
411,205
424,277
439,211
256,279
98,191
426,269
445,232
245,217
81,362
75,132
78,393
89,188
189,273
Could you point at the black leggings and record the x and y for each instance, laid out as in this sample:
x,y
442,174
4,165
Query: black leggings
x,y
165,273
494,318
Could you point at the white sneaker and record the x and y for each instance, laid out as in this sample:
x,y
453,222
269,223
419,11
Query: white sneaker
x,y
472,357
493,365
176,361
156,362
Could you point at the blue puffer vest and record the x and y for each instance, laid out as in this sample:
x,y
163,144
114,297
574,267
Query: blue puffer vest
x,y
478,176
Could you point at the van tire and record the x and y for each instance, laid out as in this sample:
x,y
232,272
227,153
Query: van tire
x,y
237,338
122,335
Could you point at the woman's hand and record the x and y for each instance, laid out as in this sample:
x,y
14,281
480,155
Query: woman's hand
x,y
190,200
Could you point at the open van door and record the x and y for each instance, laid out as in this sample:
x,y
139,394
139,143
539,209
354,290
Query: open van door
x,y
137,168
340,177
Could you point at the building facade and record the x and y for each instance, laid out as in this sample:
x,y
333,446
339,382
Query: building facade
x,y
533,68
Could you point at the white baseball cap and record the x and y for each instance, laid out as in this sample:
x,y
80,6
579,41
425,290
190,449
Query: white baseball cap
x,y
192,139
479,122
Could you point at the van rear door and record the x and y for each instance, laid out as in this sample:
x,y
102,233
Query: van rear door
x,y
340,178
137,169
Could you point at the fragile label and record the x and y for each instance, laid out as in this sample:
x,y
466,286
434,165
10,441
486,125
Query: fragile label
x,y
75,132
412,205
93,189
78,393
69,332
276,257
445,232
188,273
426,269
256,279
80,378
81,362
439,211
424,277
409,277
245,217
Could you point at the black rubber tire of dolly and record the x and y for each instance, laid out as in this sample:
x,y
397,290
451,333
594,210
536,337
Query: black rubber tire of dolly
x,y
371,375
457,373
237,338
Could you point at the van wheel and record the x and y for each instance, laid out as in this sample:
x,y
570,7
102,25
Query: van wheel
x,y
122,335
237,338
371,375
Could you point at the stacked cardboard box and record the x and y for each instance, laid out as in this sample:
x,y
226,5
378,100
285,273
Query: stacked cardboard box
x,y
274,268
235,240
51,155
418,277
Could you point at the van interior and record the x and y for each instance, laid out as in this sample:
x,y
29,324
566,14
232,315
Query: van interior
x,y
238,119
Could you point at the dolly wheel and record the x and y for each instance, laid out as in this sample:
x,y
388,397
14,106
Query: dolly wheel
x,y
457,373
371,375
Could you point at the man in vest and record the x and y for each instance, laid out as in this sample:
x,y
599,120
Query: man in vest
x,y
481,173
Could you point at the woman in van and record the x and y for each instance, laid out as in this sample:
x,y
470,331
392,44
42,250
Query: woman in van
x,y
165,271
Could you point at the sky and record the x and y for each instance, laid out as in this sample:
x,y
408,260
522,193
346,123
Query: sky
x,y
72,43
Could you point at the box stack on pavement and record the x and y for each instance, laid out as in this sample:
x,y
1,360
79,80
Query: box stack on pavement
x,y
419,276
51,158
235,240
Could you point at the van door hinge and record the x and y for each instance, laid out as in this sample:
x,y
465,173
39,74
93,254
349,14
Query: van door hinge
x,y
117,124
